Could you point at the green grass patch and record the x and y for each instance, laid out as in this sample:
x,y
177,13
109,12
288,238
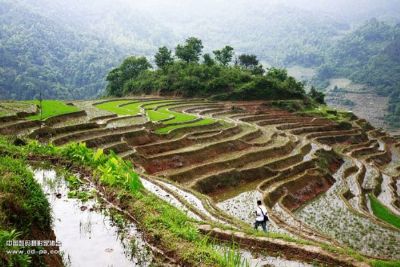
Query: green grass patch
x,y
24,201
167,129
156,103
51,108
178,116
114,107
137,106
153,115
380,263
129,109
164,220
164,113
383,213
24,211
157,116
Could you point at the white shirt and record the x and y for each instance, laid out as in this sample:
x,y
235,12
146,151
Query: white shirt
x,y
260,216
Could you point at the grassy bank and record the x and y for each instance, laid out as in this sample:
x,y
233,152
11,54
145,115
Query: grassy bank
x,y
379,263
24,211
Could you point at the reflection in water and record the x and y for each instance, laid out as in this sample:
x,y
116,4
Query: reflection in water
x,y
88,236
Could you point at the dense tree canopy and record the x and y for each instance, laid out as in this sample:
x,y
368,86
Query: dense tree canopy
x,y
316,95
189,77
163,58
131,68
224,55
251,63
38,56
190,51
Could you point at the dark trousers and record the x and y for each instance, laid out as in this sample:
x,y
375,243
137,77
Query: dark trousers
x,y
263,225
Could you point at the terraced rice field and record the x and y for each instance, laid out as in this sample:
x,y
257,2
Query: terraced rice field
x,y
51,108
215,159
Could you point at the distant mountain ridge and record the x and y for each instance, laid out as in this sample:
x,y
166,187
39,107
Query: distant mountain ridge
x,y
64,49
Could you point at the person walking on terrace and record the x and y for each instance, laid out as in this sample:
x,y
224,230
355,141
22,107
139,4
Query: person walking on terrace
x,y
262,218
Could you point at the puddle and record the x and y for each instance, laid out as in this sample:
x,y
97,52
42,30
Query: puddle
x,y
89,237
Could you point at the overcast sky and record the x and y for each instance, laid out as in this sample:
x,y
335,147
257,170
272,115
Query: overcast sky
x,y
342,9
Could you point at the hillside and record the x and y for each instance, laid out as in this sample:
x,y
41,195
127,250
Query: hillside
x,y
368,55
39,54
383,72
187,172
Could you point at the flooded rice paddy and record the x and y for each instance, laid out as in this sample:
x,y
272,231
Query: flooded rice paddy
x,y
330,215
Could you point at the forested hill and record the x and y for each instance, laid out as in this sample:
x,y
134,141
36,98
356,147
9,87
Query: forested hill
x,y
354,55
369,55
37,53
189,72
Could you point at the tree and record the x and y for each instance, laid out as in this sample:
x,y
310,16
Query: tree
x,y
248,61
225,55
189,52
279,74
133,66
319,97
129,69
163,57
115,82
208,60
